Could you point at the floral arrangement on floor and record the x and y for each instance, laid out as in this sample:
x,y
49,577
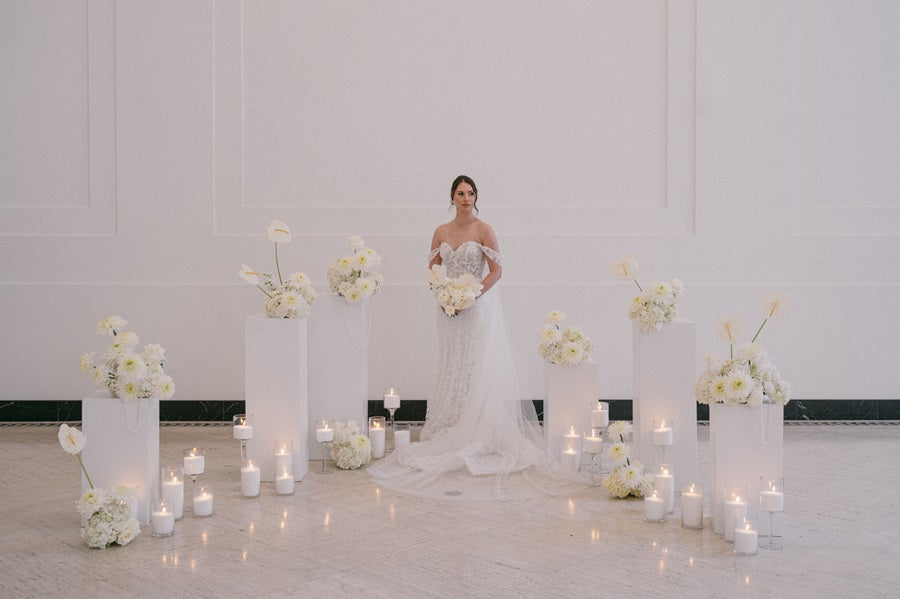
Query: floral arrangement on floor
x,y
627,476
288,298
655,306
107,513
356,276
127,374
749,377
350,448
568,346
452,295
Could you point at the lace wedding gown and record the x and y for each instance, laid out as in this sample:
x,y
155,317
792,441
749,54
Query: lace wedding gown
x,y
479,440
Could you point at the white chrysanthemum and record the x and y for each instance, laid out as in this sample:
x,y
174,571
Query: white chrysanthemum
x,y
775,305
626,268
128,390
738,386
127,339
91,501
86,363
719,388
678,286
111,325
154,352
131,367
618,452
573,352
354,295
662,289
249,275
556,316
753,352
620,429
549,333
278,232
361,261
755,399
728,329
99,376
128,532
301,279
366,286
165,387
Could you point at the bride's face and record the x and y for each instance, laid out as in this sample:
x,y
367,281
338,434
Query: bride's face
x,y
464,197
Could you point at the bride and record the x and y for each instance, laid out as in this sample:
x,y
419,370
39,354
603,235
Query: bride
x,y
480,439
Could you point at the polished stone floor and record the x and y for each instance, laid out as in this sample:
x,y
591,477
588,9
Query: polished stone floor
x,y
340,535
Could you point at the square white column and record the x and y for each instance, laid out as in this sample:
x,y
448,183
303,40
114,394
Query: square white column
x,y
122,446
664,372
571,392
276,390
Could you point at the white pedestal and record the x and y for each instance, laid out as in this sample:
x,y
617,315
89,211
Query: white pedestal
x,y
122,446
339,368
745,443
275,390
571,392
663,387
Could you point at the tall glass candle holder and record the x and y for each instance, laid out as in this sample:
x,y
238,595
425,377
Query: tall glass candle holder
x,y
250,477
162,520
691,505
664,482
171,489
242,430
391,402
203,501
401,436
663,435
771,501
592,444
599,414
194,459
570,450
735,505
376,436
324,435
284,480
284,454
745,536
654,507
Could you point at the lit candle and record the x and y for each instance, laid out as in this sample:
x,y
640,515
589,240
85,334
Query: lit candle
x,y
376,437
732,509
654,507
662,435
203,504
569,459
600,416
664,482
745,538
194,464
401,439
772,500
391,399
325,434
241,430
162,521
173,494
691,507
249,479
593,443
284,482
284,456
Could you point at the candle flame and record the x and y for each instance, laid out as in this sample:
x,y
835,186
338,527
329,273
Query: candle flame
x,y
692,488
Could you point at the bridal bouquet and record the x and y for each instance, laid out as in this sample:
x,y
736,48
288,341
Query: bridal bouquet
x,y
452,295
356,276
350,449
748,377
562,346
627,476
290,298
127,374
107,513
655,306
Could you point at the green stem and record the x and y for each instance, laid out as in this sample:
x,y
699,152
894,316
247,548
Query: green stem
x,y
731,350
264,291
638,285
277,266
759,330
78,455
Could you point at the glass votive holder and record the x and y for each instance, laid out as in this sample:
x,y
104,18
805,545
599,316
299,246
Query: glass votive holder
x,y
284,480
324,431
284,454
654,507
203,501
745,536
171,489
663,432
599,411
194,461
401,436
691,505
592,441
376,436
735,505
664,482
162,520
241,428
391,398
250,478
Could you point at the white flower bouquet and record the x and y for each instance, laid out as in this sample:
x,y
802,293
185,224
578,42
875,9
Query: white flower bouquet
x,y
655,306
356,276
453,295
627,476
350,448
127,374
568,346
107,514
749,377
288,298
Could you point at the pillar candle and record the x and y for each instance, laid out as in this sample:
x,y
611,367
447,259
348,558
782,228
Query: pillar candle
x,y
401,439
194,464
203,504
172,493
391,401
663,434
242,431
593,444
745,539
599,417
664,482
376,436
732,508
250,480
283,459
325,434
654,507
569,459
772,501
163,522
692,507
284,483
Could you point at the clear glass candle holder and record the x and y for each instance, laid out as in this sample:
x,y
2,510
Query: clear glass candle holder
x,y
654,507
250,478
599,411
162,519
771,501
203,501
745,536
284,454
691,505
284,480
171,489
325,436
592,444
735,505
377,436
664,482
401,436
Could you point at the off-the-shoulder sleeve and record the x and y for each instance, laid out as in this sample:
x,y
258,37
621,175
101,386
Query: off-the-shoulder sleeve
x,y
492,254
433,253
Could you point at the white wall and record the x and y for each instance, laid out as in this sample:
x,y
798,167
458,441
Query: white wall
x,y
739,146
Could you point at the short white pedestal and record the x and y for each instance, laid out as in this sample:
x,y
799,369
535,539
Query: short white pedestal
x,y
122,446
571,392
275,390
663,387
744,443
339,368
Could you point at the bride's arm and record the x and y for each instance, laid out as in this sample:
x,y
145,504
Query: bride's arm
x,y
435,244
489,240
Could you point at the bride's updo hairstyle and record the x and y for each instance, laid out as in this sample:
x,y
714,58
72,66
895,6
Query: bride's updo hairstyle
x,y
464,179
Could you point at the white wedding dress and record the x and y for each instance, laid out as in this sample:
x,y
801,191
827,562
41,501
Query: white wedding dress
x,y
480,440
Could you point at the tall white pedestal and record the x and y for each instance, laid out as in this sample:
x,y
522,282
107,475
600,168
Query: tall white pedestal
x,y
745,443
275,390
571,393
663,387
339,368
122,446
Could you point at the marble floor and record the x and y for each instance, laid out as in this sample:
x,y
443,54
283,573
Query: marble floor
x,y
340,535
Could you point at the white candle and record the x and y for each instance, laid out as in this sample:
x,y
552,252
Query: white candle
x,y
663,435
599,418
163,522
242,431
283,459
325,434
569,459
250,480
745,540
203,504
173,494
772,501
654,507
376,436
284,483
732,508
691,508
391,401
401,439
592,444
194,464
665,486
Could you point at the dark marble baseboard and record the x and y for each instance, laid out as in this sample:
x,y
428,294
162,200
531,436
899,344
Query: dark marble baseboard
x,y
414,410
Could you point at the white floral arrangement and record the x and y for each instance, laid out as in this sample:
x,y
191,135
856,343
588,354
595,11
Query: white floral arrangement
x,y
127,374
107,514
287,298
627,476
749,377
356,276
568,346
452,295
350,448
652,307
